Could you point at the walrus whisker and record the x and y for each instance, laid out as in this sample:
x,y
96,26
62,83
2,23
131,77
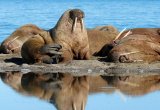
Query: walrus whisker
x,y
119,34
15,48
82,25
74,24
130,53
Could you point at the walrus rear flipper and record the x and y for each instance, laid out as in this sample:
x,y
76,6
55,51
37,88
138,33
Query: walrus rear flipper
x,y
155,47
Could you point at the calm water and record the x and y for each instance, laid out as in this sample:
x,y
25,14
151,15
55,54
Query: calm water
x,y
45,92
45,13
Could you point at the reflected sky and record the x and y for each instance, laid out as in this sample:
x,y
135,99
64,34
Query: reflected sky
x,y
118,101
11,100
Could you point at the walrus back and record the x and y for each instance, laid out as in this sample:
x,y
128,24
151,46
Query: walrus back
x,y
101,36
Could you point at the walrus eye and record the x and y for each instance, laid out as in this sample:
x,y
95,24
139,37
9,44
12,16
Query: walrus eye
x,y
77,16
76,13
71,15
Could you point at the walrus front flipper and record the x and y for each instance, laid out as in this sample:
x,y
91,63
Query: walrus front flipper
x,y
51,50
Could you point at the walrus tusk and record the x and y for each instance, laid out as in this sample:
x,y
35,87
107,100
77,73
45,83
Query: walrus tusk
x,y
82,106
74,24
130,53
119,34
128,33
74,107
82,25
13,40
121,95
130,83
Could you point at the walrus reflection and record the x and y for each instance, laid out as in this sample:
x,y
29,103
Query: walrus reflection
x,y
14,42
13,79
134,85
69,32
66,92
141,44
70,92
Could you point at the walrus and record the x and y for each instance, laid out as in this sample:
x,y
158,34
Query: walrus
x,y
69,34
14,42
134,45
100,36
64,91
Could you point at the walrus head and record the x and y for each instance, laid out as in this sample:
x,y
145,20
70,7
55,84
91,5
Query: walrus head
x,y
77,16
11,46
72,20
12,78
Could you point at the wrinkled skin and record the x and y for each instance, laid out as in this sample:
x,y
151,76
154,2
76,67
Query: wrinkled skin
x,y
69,33
98,37
142,44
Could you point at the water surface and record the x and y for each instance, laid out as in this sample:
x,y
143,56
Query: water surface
x,y
61,90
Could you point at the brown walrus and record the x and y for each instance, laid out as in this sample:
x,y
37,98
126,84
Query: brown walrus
x,y
69,32
140,44
134,85
98,37
64,91
14,42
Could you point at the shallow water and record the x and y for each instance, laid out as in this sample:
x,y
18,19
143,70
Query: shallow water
x,y
45,13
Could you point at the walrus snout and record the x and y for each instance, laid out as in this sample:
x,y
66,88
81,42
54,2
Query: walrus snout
x,y
77,15
4,49
9,49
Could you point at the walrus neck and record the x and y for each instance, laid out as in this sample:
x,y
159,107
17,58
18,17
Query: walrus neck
x,y
51,32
